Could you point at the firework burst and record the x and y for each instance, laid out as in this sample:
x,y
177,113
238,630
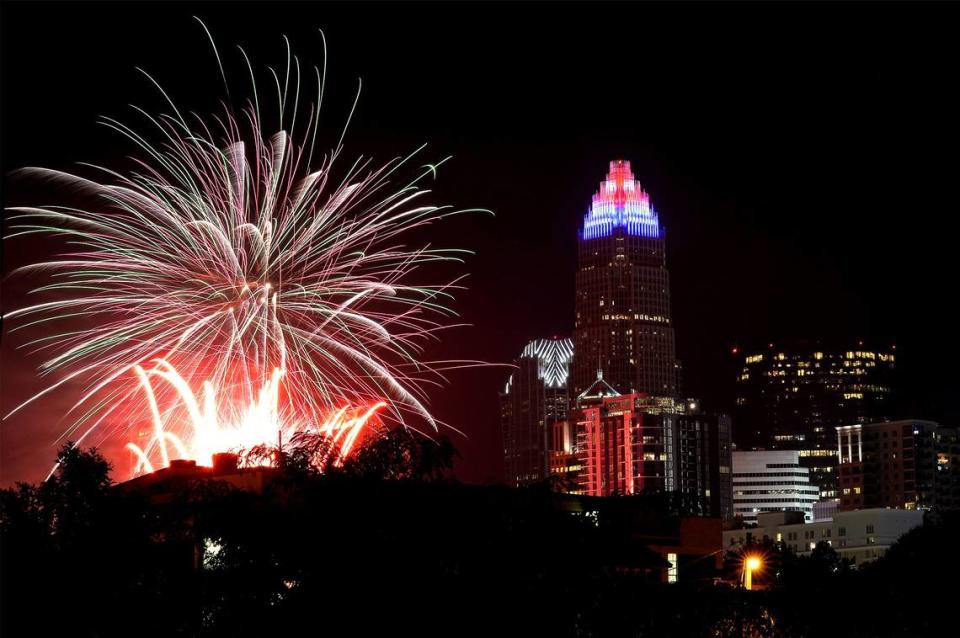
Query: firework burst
x,y
229,259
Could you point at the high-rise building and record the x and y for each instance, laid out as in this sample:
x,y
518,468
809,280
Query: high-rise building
x,y
906,464
620,442
533,412
699,461
771,481
792,398
623,322
632,444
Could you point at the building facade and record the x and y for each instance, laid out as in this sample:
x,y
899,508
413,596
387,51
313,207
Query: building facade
x,y
771,481
860,536
533,412
620,443
906,464
792,398
699,461
623,322
633,444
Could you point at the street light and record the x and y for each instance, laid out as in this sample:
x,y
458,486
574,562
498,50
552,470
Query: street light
x,y
750,565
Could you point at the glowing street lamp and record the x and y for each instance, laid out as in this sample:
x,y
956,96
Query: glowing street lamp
x,y
750,565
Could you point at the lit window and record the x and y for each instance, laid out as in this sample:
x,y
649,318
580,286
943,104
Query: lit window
x,y
672,570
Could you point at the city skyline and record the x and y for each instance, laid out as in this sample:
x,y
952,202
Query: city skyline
x,y
569,318
816,221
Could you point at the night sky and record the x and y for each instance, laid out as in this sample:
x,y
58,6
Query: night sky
x,y
803,159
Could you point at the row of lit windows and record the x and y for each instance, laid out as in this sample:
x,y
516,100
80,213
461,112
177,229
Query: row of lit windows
x,y
817,453
743,492
765,474
761,483
803,497
850,354
636,317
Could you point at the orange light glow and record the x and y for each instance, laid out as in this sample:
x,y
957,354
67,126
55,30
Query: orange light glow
x,y
751,564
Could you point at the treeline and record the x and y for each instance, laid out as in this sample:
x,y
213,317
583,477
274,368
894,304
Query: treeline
x,y
387,544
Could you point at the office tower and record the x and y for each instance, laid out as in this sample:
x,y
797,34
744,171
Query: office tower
x,y
906,464
633,444
791,397
771,481
623,323
533,412
620,441
699,461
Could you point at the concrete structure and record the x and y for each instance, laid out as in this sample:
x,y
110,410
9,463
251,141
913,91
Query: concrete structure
x,y
771,481
860,536
825,509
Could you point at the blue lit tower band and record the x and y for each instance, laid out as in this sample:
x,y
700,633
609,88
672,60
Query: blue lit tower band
x,y
533,412
623,322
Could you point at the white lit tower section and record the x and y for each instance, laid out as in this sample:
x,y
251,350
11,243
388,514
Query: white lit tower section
x,y
623,322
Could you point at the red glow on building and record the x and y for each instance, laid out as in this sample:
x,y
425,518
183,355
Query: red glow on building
x,y
621,447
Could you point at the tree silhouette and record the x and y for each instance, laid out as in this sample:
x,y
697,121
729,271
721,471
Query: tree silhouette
x,y
387,543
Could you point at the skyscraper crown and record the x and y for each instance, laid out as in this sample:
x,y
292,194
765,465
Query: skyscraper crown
x,y
620,203
554,357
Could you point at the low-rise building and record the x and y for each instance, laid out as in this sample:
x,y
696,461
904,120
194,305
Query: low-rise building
x,y
860,536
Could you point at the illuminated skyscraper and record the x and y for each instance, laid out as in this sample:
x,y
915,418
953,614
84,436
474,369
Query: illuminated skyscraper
x,y
620,442
623,323
533,412
793,397
633,444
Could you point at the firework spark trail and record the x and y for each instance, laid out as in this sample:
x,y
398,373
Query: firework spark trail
x,y
256,425
224,255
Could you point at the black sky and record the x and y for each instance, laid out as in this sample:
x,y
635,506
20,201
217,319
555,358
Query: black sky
x,y
803,158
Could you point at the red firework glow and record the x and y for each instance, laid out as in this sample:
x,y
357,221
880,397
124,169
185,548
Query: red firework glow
x,y
199,428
